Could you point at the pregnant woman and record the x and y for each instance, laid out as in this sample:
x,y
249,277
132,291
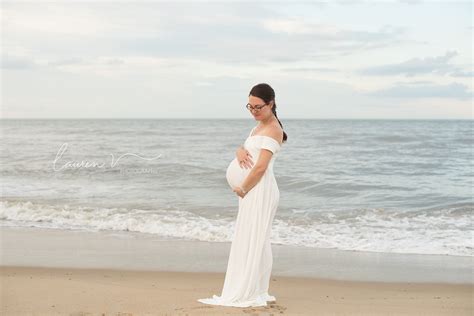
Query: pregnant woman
x,y
250,261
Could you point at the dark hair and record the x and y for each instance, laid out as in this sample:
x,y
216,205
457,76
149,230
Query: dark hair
x,y
267,94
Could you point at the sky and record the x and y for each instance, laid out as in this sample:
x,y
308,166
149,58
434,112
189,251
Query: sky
x,y
200,59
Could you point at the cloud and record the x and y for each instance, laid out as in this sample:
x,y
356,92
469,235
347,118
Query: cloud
x,y
461,73
67,61
297,26
9,61
81,61
227,33
310,39
171,58
419,66
20,62
425,89
310,69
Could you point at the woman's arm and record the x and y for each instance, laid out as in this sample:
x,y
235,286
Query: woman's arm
x,y
256,173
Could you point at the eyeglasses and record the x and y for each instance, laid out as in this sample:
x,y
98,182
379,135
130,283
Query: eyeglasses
x,y
255,108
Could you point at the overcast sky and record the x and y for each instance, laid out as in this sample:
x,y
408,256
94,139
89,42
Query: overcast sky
x,y
164,59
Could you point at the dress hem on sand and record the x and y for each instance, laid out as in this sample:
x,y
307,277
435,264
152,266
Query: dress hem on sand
x,y
261,300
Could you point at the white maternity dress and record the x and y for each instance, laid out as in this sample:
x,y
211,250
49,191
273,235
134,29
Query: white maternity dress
x,y
250,261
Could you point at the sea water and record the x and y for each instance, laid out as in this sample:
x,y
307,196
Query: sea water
x,y
401,186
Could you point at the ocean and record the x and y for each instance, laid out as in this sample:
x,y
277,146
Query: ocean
x,y
395,186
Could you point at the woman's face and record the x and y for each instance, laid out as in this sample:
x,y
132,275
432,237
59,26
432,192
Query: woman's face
x,y
263,112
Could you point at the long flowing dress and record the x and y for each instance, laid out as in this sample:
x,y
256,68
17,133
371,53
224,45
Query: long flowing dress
x,y
250,261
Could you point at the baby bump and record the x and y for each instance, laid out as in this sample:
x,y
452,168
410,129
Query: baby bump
x,y
235,174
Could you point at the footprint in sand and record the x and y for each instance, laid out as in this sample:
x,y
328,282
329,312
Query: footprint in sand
x,y
205,306
270,309
81,313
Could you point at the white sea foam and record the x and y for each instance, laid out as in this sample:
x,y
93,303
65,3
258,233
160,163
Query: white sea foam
x,y
439,232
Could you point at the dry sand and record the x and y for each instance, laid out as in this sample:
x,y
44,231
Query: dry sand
x,y
70,291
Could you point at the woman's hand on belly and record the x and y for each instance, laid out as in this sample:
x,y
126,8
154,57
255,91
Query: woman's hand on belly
x,y
244,157
239,192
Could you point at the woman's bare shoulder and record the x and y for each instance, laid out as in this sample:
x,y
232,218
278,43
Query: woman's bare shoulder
x,y
275,132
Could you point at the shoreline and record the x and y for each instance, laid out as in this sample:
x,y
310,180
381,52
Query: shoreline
x,y
41,247
54,272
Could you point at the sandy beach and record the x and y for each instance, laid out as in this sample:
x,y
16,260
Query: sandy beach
x,y
67,291
54,272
